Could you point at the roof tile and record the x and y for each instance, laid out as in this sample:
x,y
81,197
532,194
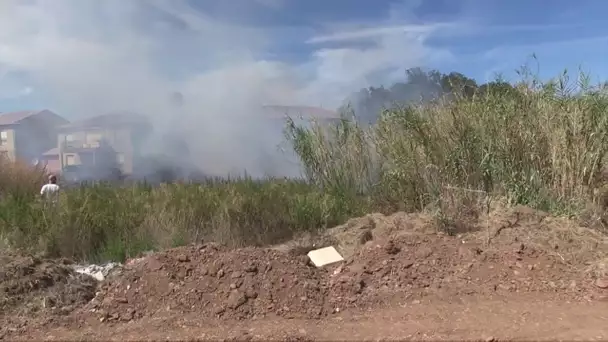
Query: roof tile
x,y
12,118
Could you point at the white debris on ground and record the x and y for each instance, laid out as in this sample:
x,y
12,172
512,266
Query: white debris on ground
x,y
134,261
325,256
99,272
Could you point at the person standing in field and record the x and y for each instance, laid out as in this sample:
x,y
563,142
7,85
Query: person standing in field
x,y
50,190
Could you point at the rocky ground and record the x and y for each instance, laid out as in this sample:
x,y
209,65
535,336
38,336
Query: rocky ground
x,y
518,274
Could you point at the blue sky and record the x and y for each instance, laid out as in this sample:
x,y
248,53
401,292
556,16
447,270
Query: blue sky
x,y
485,36
80,57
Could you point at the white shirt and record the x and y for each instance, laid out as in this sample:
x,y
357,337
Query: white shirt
x,y
49,190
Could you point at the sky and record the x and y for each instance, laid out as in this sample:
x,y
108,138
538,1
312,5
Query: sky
x,y
81,58
69,55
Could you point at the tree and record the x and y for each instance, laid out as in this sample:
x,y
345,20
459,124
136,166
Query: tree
x,y
497,88
418,86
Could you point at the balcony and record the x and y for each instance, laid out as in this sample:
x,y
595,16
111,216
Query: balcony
x,y
82,146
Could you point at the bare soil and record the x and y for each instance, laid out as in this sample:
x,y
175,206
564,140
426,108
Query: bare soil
x,y
518,274
38,291
510,318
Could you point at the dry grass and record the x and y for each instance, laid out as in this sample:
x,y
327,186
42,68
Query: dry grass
x,y
543,146
20,179
104,222
598,268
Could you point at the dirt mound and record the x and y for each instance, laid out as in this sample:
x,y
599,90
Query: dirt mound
x,y
33,288
350,236
214,282
401,261
409,268
397,258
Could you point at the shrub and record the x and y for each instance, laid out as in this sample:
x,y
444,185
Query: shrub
x,y
18,179
541,145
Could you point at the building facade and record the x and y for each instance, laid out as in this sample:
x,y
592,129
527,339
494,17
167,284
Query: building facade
x,y
26,135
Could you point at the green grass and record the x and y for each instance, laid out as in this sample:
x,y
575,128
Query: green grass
x,y
103,222
542,146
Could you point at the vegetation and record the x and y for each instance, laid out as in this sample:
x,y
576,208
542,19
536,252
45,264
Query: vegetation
x,y
106,222
532,143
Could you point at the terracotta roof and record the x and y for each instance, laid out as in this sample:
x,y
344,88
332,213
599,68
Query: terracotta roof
x,y
110,119
12,118
308,112
52,152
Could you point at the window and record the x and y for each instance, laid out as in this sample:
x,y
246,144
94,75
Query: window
x,y
3,155
69,138
93,138
3,138
70,159
120,158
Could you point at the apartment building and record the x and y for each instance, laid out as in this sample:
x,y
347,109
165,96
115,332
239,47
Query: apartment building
x,y
26,135
97,145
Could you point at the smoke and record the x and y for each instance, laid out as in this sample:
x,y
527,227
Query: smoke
x,y
199,73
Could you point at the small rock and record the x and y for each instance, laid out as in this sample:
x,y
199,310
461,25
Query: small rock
x,y
236,275
602,283
236,299
391,248
304,260
602,299
213,269
502,287
338,270
128,316
220,273
416,302
490,339
251,269
219,310
121,300
423,253
183,258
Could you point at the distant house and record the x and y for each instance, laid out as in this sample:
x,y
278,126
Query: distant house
x,y
95,145
305,113
26,135
50,160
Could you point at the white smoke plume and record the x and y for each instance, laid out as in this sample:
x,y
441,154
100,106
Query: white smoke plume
x,y
198,76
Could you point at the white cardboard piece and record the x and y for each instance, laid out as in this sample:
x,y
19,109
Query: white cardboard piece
x,y
324,256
